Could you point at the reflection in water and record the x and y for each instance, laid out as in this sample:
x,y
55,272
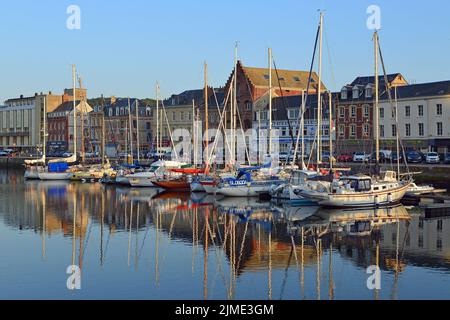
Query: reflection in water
x,y
234,248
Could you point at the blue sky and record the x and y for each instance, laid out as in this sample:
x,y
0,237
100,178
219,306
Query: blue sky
x,y
124,47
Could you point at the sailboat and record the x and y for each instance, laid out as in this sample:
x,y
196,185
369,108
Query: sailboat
x,y
59,169
363,190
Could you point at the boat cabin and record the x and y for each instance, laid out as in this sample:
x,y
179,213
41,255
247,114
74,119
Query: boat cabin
x,y
358,183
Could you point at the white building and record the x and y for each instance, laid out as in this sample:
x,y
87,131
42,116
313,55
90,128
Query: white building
x,y
19,125
423,112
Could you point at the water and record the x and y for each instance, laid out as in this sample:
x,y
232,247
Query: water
x,y
135,244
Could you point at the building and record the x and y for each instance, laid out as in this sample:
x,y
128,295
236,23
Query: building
x,y
286,124
117,126
423,112
253,83
61,128
22,119
354,113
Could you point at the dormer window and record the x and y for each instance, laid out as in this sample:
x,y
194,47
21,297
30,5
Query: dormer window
x,y
355,92
344,93
368,91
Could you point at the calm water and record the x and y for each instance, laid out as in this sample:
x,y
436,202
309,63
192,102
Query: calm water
x,y
137,244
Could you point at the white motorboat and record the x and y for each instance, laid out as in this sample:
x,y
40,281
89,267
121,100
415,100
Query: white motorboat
x,y
291,191
157,170
415,190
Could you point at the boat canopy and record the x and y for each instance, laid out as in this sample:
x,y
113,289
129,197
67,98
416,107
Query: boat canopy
x,y
247,169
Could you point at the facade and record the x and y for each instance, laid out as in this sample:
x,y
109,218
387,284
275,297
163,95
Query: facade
x,y
285,120
22,119
117,135
354,112
423,112
253,83
61,126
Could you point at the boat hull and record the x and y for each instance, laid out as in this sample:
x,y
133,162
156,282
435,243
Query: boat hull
x,y
141,180
173,185
369,199
31,174
196,186
55,175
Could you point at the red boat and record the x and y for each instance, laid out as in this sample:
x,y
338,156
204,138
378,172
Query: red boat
x,y
177,184
189,170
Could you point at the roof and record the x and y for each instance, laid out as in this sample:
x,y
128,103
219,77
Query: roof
x,y
287,79
280,104
365,80
429,89
68,107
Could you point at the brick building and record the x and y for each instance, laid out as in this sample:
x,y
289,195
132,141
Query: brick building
x,y
354,112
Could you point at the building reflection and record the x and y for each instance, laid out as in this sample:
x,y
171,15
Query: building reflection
x,y
254,236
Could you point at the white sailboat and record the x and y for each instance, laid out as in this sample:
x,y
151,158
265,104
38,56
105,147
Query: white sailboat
x,y
48,173
362,190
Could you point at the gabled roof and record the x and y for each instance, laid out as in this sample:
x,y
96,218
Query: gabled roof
x,y
363,81
287,79
68,107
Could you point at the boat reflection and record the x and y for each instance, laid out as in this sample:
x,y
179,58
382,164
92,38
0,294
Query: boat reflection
x,y
233,237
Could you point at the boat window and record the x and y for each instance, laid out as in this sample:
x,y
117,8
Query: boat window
x,y
363,185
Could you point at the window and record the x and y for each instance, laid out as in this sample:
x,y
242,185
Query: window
x,y
381,112
439,225
394,130
353,111
366,129
297,79
344,93
355,93
174,116
408,129
439,128
353,130
341,112
381,130
394,112
407,111
366,111
439,109
420,110
421,130
248,106
369,92
341,130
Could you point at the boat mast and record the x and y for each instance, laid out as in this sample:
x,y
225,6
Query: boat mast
x,y
319,92
44,146
82,124
330,130
194,134
270,102
377,134
206,114
137,130
302,125
397,133
157,119
131,130
235,103
74,112
103,132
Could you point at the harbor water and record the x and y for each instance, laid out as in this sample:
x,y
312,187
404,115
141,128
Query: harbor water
x,y
131,243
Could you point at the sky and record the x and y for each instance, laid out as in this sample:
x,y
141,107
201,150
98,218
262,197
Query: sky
x,y
124,47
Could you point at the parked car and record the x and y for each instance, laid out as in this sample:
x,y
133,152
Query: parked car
x,y
432,157
381,157
447,158
344,158
67,154
283,156
387,154
4,153
361,157
414,157
396,157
